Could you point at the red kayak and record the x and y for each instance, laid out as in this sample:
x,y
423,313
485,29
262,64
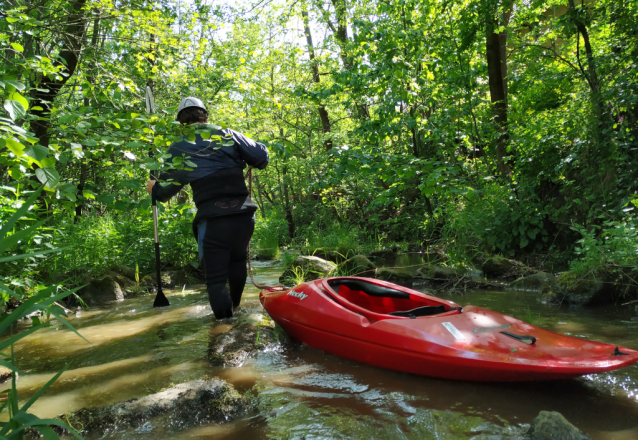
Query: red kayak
x,y
391,326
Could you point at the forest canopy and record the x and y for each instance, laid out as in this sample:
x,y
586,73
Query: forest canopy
x,y
479,127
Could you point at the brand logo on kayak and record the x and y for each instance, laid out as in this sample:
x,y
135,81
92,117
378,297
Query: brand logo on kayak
x,y
299,295
495,328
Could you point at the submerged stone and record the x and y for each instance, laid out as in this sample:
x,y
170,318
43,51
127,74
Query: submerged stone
x,y
197,402
250,335
551,425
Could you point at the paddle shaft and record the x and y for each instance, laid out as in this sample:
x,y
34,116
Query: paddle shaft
x,y
160,298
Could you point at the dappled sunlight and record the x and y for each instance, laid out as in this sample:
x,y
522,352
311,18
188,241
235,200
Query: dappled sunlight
x,y
64,342
34,381
122,388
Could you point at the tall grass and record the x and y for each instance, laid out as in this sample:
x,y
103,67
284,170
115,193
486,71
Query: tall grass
x,y
96,243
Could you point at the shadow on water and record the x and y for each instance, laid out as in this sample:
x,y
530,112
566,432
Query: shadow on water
x,y
301,392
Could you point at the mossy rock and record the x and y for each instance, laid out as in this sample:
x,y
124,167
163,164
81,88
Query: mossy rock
x,y
172,278
551,425
357,266
250,335
124,282
337,255
191,403
123,270
399,276
506,268
265,254
538,281
607,285
309,268
100,291
442,273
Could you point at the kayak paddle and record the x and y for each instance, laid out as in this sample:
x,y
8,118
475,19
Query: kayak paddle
x,y
160,298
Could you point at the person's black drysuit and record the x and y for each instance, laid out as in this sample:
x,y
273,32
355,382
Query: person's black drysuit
x,y
225,221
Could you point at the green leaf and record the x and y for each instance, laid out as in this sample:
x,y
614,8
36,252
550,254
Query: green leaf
x,y
77,150
524,242
49,176
15,109
18,85
17,47
21,99
8,225
36,152
13,239
30,254
14,146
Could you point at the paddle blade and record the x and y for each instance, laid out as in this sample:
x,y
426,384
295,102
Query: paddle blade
x,y
160,299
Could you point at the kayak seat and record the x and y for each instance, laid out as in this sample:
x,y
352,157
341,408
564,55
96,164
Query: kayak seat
x,y
421,311
369,289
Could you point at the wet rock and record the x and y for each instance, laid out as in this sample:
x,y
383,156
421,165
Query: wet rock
x,y
357,266
100,291
535,282
605,286
551,425
441,273
250,335
191,403
5,373
124,282
506,268
172,278
334,255
123,271
308,268
400,275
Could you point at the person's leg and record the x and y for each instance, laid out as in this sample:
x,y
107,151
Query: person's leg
x,y
201,231
244,227
216,258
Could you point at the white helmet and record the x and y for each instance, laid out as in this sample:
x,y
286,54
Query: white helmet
x,y
190,102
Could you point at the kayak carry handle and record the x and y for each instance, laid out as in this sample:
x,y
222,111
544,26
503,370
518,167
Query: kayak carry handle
x,y
617,352
522,338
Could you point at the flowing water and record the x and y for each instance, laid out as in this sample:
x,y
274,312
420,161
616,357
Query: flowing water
x,y
303,393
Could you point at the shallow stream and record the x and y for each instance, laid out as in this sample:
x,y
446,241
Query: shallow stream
x,y
304,393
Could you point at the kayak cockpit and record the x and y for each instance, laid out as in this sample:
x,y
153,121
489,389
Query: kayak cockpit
x,y
377,301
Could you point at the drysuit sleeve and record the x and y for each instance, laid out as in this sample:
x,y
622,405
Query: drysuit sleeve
x,y
170,181
253,153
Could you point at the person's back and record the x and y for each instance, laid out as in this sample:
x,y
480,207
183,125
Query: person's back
x,y
224,222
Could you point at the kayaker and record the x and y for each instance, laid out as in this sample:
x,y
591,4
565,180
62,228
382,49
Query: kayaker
x,y
225,220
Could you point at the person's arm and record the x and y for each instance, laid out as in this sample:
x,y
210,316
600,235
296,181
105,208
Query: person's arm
x,y
172,177
254,153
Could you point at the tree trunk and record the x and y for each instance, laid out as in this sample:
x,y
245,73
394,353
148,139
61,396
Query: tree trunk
x,y
323,113
86,161
341,34
50,87
497,74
